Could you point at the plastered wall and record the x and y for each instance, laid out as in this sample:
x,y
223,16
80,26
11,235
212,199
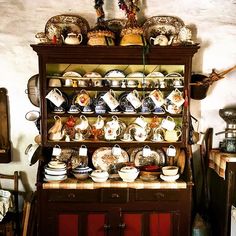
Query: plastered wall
x,y
214,24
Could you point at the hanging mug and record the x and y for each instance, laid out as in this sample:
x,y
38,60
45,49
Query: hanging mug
x,y
55,96
110,100
84,124
168,123
133,98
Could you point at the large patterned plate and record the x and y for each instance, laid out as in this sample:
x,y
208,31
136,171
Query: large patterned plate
x,y
156,158
70,23
103,158
167,25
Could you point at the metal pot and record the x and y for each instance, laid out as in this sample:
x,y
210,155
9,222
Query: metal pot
x,y
33,152
33,90
228,115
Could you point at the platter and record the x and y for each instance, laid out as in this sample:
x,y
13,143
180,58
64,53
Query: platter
x,y
156,158
103,158
167,25
56,25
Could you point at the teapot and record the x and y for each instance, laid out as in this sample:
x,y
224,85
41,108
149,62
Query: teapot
x,y
72,38
161,40
172,135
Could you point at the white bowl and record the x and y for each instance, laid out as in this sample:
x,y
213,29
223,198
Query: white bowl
x,y
128,176
99,179
54,171
170,170
54,177
81,176
99,176
169,178
128,169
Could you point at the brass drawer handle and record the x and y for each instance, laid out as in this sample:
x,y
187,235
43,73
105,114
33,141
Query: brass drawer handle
x,y
107,227
159,195
122,225
115,195
71,195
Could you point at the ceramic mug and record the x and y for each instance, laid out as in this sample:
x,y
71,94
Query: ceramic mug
x,y
83,124
168,123
133,98
110,100
55,96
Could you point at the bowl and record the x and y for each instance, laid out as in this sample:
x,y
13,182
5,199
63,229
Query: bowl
x,y
99,176
128,169
170,170
81,176
170,178
54,177
128,176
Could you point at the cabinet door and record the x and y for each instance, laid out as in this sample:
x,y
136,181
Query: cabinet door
x,y
91,224
152,224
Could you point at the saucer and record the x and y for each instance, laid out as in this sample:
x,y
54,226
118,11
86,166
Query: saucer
x,y
87,112
130,112
127,140
114,112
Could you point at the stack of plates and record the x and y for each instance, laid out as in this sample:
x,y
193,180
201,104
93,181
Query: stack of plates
x,y
55,171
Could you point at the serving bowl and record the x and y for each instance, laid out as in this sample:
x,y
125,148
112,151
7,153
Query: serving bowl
x,y
128,176
170,170
99,176
81,173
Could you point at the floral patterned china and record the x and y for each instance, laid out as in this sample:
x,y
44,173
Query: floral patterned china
x,y
103,158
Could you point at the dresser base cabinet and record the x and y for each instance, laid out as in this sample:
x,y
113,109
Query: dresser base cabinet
x,y
113,212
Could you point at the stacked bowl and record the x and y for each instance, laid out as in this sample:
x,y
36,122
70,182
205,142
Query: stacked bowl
x,y
55,171
169,173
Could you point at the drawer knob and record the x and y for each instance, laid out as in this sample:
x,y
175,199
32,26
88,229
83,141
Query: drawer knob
x,y
159,195
107,227
115,195
71,195
122,225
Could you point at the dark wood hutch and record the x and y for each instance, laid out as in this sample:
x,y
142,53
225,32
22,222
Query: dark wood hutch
x,y
75,208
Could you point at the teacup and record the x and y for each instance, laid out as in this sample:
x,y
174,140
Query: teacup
x,y
115,83
68,82
177,82
132,83
158,135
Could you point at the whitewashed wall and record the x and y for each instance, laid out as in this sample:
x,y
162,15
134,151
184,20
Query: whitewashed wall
x,y
215,24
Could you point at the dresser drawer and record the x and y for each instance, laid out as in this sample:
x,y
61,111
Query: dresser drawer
x,y
73,195
156,195
112,195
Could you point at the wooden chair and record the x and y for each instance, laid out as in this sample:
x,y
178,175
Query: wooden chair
x,y
205,149
10,225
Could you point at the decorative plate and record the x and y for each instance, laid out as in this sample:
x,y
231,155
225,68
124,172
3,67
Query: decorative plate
x,y
116,25
115,74
103,158
156,158
167,25
71,74
92,74
70,23
155,74
136,75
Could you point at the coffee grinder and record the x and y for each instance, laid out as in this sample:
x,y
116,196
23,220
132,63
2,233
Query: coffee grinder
x,y
229,143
